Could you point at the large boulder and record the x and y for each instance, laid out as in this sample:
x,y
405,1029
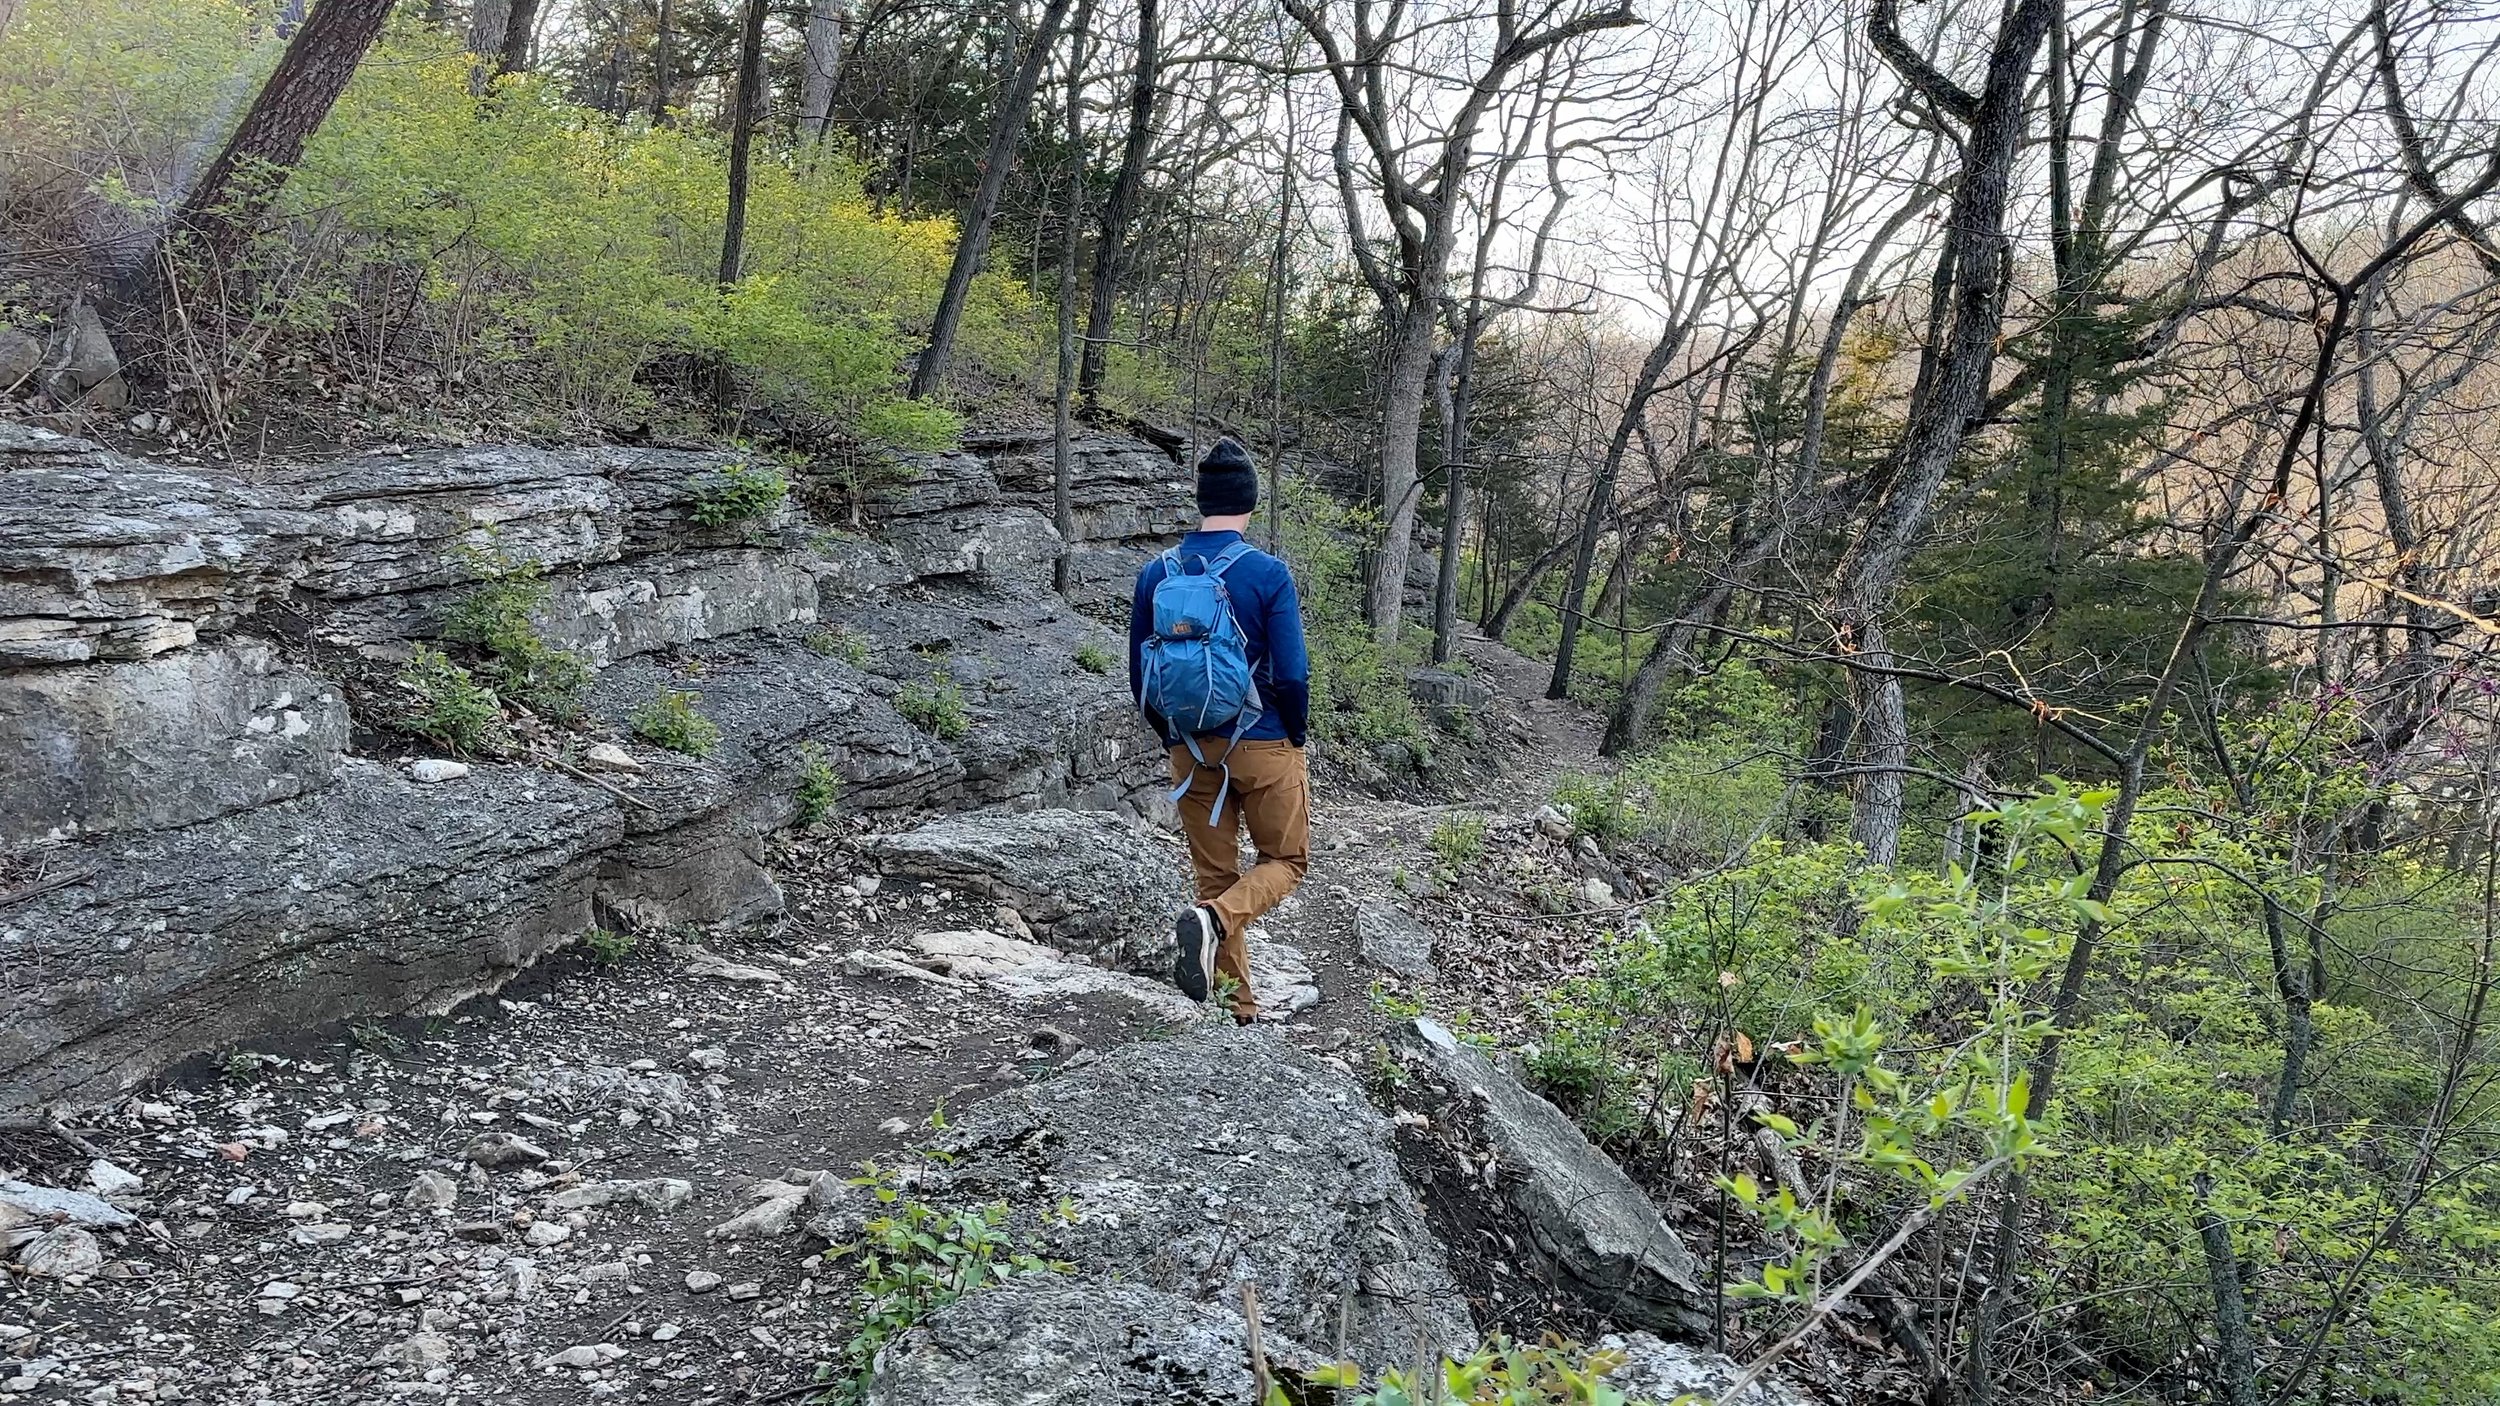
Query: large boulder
x,y
161,742
1216,1158
1049,1340
1595,1232
1089,883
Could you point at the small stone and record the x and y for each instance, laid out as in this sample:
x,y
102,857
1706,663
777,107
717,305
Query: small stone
x,y
1553,823
740,1293
1012,923
1597,893
483,1232
548,1232
495,1151
306,1210
1050,1039
701,1281
426,771
867,885
432,1191
712,1060
666,1333
111,1182
280,1289
895,1127
65,1252
584,1358
328,1233
607,756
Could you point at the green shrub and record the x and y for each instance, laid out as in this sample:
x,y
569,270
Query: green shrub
x,y
915,1259
451,706
1499,1373
1458,841
672,720
1358,689
738,493
1093,658
838,642
497,616
608,946
936,706
514,240
818,784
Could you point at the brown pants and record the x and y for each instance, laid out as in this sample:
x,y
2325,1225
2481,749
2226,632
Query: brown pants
x,y
1271,794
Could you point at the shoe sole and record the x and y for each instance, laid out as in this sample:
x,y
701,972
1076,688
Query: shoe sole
x,y
1193,967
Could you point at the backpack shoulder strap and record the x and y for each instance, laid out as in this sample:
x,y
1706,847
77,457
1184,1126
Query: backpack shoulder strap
x,y
1223,561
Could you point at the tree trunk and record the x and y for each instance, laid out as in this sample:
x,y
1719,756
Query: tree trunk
x,y
1601,500
1498,624
1276,269
1976,245
996,163
217,219
1063,390
518,33
2233,1347
742,117
1120,206
821,66
487,19
663,35
1445,587
1408,383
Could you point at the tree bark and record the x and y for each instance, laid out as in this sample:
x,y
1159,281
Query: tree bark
x,y
1063,390
216,220
487,19
519,30
1976,245
821,67
973,244
1120,206
663,36
2233,1347
743,105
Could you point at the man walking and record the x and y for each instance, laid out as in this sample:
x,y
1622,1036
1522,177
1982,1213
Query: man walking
x,y
1216,662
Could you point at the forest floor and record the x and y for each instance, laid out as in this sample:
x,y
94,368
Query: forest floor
x,y
279,1258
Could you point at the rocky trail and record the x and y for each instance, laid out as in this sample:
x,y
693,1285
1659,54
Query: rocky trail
x,y
590,1184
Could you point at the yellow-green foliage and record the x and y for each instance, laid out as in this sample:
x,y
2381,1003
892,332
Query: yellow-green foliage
x,y
1358,689
510,230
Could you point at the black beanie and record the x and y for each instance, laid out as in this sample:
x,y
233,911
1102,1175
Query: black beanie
x,y
1227,481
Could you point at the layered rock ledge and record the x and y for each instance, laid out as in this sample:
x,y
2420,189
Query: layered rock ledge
x,y
206,834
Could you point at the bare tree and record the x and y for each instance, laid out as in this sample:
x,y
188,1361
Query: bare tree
x,y
1120,204
1973,267
972,246
745,102
1386,93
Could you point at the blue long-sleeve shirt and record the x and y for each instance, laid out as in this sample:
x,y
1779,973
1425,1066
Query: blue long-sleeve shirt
x,y
1270,612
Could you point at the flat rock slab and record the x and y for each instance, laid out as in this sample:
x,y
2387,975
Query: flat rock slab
x,y
1088,882
1050,1340
1598,1233
1219,1157
162,742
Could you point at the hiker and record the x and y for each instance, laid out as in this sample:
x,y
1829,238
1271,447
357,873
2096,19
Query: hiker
x,y
1216,663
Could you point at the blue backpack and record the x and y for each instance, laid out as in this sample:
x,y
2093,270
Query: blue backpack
x,y
1196,668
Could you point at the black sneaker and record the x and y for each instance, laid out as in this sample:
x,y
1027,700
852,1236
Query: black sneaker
x,y
1193,970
